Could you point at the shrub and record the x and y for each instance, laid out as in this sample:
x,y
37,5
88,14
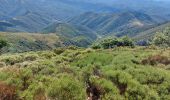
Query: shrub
x,y
74,54
11,60
113,42
3,43
72,47
66,88
127,41
66,69
45,67
163,90
36,91
88,50
30,57
153,60
96,46
115,74
7,92
2,64
59,51
120,79
47,54
102,89
162,38
135,91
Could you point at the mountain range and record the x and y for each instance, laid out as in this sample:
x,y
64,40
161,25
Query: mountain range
x,y
127,23
80,21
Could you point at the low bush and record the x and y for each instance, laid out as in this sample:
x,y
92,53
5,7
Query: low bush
x,y
7,92
101,88
11,60
47,54
66,88
72,47
35,91
59,51
30,57
2,64
156,59
81,74
113,42
3,43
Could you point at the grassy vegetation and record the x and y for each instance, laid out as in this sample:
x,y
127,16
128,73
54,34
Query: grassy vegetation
x,y
148,34
23,42
77,74
76,34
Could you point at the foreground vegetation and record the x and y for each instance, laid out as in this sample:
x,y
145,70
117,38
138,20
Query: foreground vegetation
x,y
77,74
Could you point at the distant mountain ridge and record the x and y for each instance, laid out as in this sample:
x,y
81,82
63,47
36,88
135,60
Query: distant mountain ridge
x,y
52,10
75,33
34,15
150,33
83,21
126,23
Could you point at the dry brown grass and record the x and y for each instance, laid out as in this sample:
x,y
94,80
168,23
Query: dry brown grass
x,y
7,92
156,59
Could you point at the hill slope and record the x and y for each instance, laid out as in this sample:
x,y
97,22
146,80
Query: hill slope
x,y
64,74
32,16
148,34
77,33
22,42
128,23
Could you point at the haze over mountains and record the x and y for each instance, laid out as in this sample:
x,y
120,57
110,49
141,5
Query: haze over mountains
x,y
82,19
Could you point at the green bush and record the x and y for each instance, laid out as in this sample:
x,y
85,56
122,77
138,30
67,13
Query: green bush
x,y
162,38
96,46
36,91
47,54
72,47
11,60
66,88
136,91
30,57
105,89
110,74
113,42
59,51
3,43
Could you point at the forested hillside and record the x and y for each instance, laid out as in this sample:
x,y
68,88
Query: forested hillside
x,y
127,23
150,33
119,17
80,35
